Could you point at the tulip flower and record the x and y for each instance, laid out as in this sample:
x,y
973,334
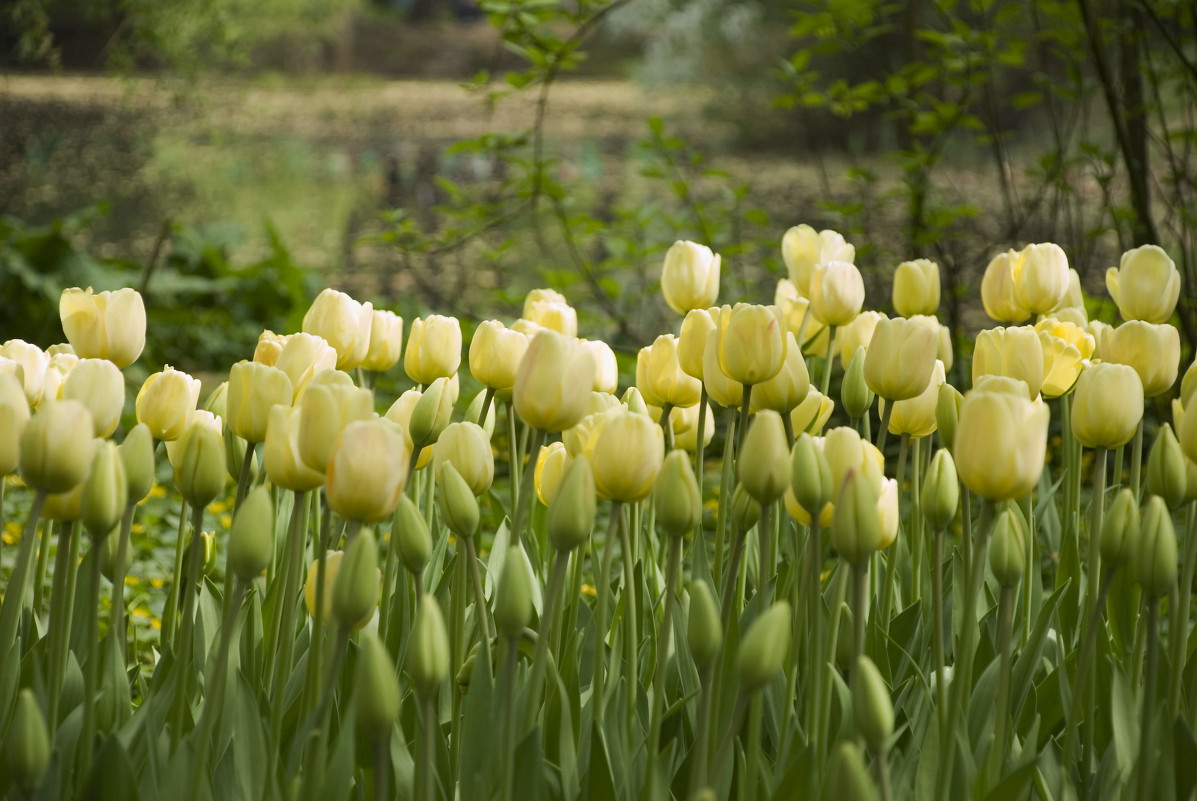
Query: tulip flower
x,y
284,466
164,402
998,291
432,411
676,498
1041,277
856,334
785,391
303,356
467,447
495,355
1145,285
900,359
110,325
692,341
1000,443
386,341
813,413
33,362
553,382
660,378
333,562
343,323
57,446
433,348
802,248
721,389
690,277
551,466
99,385
812,335
751,343
915,417
685,427
1152,350
625,456
400,412
943,338
105,491
252,391
916,288
1012,352
1066,350
764,462
368,470
606,369
549,309
1107,406
837,293
324,411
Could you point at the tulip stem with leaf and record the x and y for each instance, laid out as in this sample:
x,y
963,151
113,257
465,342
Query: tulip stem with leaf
x,y
527,482
170,610
601,623
829,361
62,606
1147,762
117,622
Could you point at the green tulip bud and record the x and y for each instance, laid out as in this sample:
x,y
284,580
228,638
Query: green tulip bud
x,y
1008,547
746,511
57,446
676,498
457,501
1155,558
200,473
355,593
251,538
1166,469
856,528
432,413
763,465
871,705
634,401
137,452
27,746
513,598
108,565
475,408
208,543
1120,530
376,697
848,777
12,423
810,476
941,491
571,513
104,492
854,392
410,535
234,455
428,650
947,413
764,648
704,631
845,648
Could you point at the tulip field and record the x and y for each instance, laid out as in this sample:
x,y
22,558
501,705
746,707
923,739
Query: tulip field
x,y
785,559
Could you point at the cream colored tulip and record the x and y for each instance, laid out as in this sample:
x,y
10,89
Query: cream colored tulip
x,y
857,334
802,248
303,356
1145,285
1000,443
386,341
324,412
108,325
269,347
1066,350
99,385
33,362
467,447
900,358
751,343
549,309
253,388
784,391
433,348
916,416
495,355
368,471
692,341
343,323
837,293
794,308
813,413
552,464
164,402
1014,352
606,369
553,382
400,412
690,277
916,288
1153,350
721,389
627,453
1041,277
281,459
684,423
1107,405
998,291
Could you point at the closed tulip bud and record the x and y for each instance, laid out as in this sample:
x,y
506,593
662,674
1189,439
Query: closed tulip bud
x,y
900,359
856,527
459,507
746,510
856,334
676,498
57,446
98,385
1120,530
281,459
627,453
1107,406
751,343
200,466
1066,350
495,355
764,647
690,277
32,363
1166,471
704,633
915,417
803,248
386,341
848,777
721,389
433,411
553,383
368,470
428,649
871,705
376,698
887,513
27,746
692,341
1155,558
400,413
1041,277
837,292
12,424
343,323
542,296
302,357
947,414
137,457
1008,548
513,598
785,391
1145,285
105,492
571,513
251,537
325,409
108,325
810,475
164,402
269,347
252,390
1000,444
474,410
411,537
201,417
554,315
467,448
916,288
634,401
1153,350
433,348
1012,352
660,378
606,368
812,414
998,291
941,491
551,466
764,462
332,569
357,586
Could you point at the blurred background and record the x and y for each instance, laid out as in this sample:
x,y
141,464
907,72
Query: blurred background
x,y
230,158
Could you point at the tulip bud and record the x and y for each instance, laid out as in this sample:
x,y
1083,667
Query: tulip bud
x,y
428,649
704,631
676,499
433,348
376,697
368,470
751,343
137,456
1007,547
105,491
916,287
785,391
721,389
746,510
551,466
410,535
57,446
433,411
941,491
692,341
12,424
998,291
343,323
1041,277
571,513
553,382
634,401
495,355
548,308
1166,471
386,341
200,471
98,385
1000,442
660,378
252,390
1152,350
466,447
871,705
251,537
900,359
302,357
812,414
854,391
764,648
837,292
1014,352
625,452
856,334
1107,406
110,325
165,401
1155,558
915,417
458,504
803,248
281,459
27,745
947,414
810,475
848,776
1120,530
357,585
690,277
1145,285
856,528
763,466
513,598
32,363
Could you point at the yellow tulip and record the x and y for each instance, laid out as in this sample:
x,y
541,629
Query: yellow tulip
x,y
660,378
1107,405
690,277
763,465
720,388
751,343
58,370
495,354
606,369
253,389
164,402
1072,305
553,382
1066,350
433,348
1014,352
199,460
269,347
900,359
916,288
57,447
813,413
324,412
332,569
1000,443
857,334
998,292
467,447
386,341
887,513
794,308
303,356
802,248
552,464
1041,277
916,416
837,293
33,362
692,341
1153,350
343,323
400,412
368,470
684,423
627,454
1145,285
99,385
783,392
943,338
108,325
551,312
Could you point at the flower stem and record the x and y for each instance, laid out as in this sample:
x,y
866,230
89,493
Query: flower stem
x,y
540,656
997,751
663,639
1147,764
631,624
829,361
603,588
481,615
170,613
883,429
117,607
526,484
860,607
91,668
937,611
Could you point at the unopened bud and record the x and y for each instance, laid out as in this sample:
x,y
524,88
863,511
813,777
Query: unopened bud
x,y
810,476
104,492
355,593
200,473
676,499
745,509
763,464
871,705
856,528
251,538
458,504
27,746
376,697
764,648
1166,470
854,392
571,514
137,453
941,491
947,413
428,650
513,598
410,535
1155,558
703,630
433,412
1120,530
848,777
1008,547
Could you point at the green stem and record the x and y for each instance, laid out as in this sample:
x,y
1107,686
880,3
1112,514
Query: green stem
x,y
1097,508
667,426
700,540
91,668
184,644
481,615
765,540
427,706
43,561
726,478
745,413
507,689
1147,765
997,753
941,689
61,612
1137,459
814,607
860,608
887,791
1083,672
117,607
513,459
663,640
311,688
822,738
170,612
603,589
916,518
826,385
281,635
883,429
243,476
631,621
540,657
752,754
487,399
731,582
526,485
381,763
702,732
